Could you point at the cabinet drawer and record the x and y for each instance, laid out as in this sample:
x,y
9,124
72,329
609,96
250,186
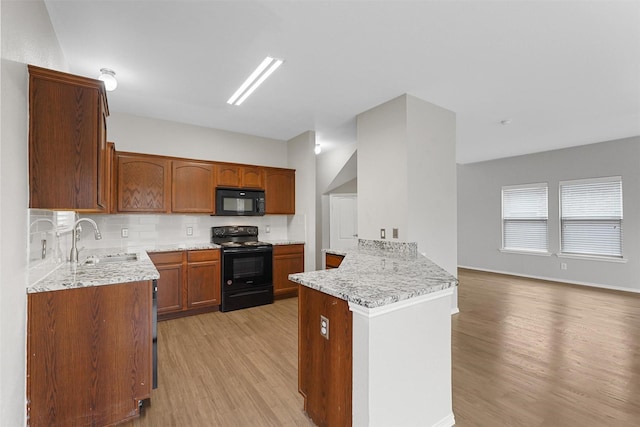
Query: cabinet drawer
x,y
287,249
203,255
166,257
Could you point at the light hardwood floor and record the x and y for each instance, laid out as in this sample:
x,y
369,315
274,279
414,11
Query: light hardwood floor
x,y
524,353
228,369
532,353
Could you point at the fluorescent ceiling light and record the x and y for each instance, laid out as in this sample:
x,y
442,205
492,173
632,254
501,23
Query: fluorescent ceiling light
x,y
259,75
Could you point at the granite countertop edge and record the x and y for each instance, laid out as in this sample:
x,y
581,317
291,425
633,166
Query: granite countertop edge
x,y
372,279
69,276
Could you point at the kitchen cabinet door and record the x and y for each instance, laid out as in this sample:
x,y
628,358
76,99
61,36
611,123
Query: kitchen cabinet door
x,y
89,356
111,177
280,191
192,187
144,183
67,142
287,259
239,176
227,175
252,177
203,278
171,281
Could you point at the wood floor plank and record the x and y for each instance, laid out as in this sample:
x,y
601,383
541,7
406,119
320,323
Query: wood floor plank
x,y
524,353
535,353
228,369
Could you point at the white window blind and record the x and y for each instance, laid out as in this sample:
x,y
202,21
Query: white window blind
x,y
524,217
591,217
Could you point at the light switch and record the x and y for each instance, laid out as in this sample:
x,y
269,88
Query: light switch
x,y
383,233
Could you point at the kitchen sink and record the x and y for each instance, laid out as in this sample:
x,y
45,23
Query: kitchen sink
x,y
92,260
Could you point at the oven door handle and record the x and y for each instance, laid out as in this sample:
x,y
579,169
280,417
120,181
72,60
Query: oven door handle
x,y
245,250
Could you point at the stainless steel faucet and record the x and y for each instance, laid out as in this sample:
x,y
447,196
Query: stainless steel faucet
x,y
73,257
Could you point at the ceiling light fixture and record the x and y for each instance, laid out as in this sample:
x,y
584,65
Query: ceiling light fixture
x,y
108,76
317,149
505,122
259,75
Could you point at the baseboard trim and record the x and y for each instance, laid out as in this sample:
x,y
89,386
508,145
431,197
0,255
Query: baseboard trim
x,y
551,279
447,421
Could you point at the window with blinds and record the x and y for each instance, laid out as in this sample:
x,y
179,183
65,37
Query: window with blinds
x,y
591,217
524,218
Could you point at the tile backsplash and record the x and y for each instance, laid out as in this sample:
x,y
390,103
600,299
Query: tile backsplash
x,y
49,241
51,231
145,231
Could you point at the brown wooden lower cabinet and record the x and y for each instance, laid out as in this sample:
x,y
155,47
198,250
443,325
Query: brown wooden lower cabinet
x,y
325,365
333,261
287,259
171,269
89,354
203,278
189,282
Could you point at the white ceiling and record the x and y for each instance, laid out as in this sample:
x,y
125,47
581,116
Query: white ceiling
x,y
565,72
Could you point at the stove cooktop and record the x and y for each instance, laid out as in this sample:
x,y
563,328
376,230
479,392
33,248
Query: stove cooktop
x,y
242,244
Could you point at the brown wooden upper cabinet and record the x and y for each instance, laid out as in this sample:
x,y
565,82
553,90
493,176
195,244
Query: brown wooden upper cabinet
x,y
144,183
192,187
68,166
280,191
239,176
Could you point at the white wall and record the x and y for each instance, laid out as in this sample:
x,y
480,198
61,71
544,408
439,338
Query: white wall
x,y
479,212
166,138
27,37
302,225
407,176
431,168
382,170
329,165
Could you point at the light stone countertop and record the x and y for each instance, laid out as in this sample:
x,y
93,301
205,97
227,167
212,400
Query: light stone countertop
x,y
379,273
283,242
181,247
70,276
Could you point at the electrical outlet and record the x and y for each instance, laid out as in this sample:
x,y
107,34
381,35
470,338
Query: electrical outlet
x,y
395,233
189,231
324,327
124,232
267,229
563,266
383,233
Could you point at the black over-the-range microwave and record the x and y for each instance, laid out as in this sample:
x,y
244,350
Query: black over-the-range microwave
x,y
234,201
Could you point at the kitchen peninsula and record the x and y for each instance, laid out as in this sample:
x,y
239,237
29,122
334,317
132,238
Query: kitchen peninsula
x,y
375,339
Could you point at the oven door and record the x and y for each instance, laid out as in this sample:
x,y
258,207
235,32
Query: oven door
x,y
246,268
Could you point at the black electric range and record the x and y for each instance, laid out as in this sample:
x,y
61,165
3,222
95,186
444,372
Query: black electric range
x,y
247,267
